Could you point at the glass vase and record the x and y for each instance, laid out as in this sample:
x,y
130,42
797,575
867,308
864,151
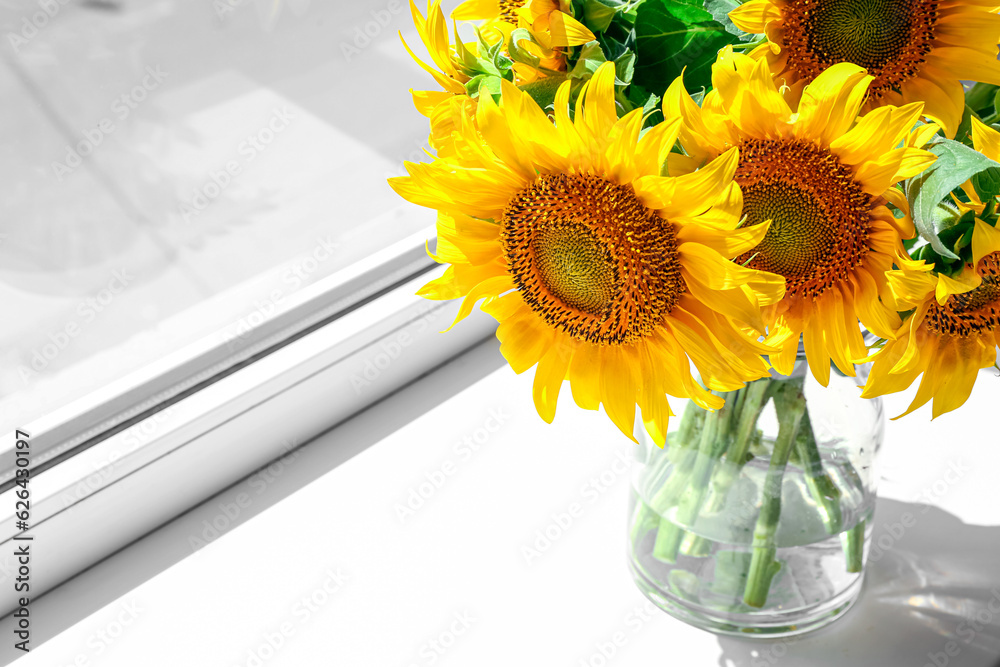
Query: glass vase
x,y
755,518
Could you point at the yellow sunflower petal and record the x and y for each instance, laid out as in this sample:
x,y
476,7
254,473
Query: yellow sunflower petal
x,y
986,139
488,288
816,352
549,376
947,286
830,104
524,340
753,16
961,376
985,240
618,387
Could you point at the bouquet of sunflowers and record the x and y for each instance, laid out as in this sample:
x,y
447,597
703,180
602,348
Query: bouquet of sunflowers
x,y
723,203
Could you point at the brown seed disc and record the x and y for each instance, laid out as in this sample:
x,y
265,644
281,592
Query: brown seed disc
x,y
820,217
508,10
590,258
974,312
890,38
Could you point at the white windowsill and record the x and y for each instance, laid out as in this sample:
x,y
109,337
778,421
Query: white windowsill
x,y
330,513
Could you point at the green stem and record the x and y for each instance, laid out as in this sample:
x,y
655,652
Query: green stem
x,y
749,404
690,420
823,491
714,436
644,519
790,404
853,542
664,492
755,397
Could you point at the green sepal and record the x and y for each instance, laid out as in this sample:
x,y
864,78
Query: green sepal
x,y
489,82
519,54
955,164
544,90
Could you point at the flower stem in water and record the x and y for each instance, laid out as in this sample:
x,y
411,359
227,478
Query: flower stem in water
x,y
790,405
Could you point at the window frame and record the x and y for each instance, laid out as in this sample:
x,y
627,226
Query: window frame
x,y
124,460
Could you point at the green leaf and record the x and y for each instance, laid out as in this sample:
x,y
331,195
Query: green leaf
x,y
987,183
955,164
590,58
672,35
981,98
598,14
719,9
625,68
964,132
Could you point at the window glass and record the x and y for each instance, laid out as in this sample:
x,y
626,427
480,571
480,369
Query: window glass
x,y
176,168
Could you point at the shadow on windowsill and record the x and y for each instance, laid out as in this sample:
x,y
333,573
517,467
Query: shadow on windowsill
x,y
931,599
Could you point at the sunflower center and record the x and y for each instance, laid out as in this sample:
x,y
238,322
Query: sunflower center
x,y
574,266
820,217
590,258
890,38
800,233
973,312
508,10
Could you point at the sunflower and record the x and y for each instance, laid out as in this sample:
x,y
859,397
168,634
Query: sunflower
x,y
822,176
917,50
952,334
599,270
454,67
441,107
549,25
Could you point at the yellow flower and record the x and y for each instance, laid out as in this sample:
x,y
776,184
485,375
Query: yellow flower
x,y
953,332
549,22
595,265
445,108
822,176
433,31
986,140
917,50
441,107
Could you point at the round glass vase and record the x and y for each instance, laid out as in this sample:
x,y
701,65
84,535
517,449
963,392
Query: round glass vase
x,y
755,518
